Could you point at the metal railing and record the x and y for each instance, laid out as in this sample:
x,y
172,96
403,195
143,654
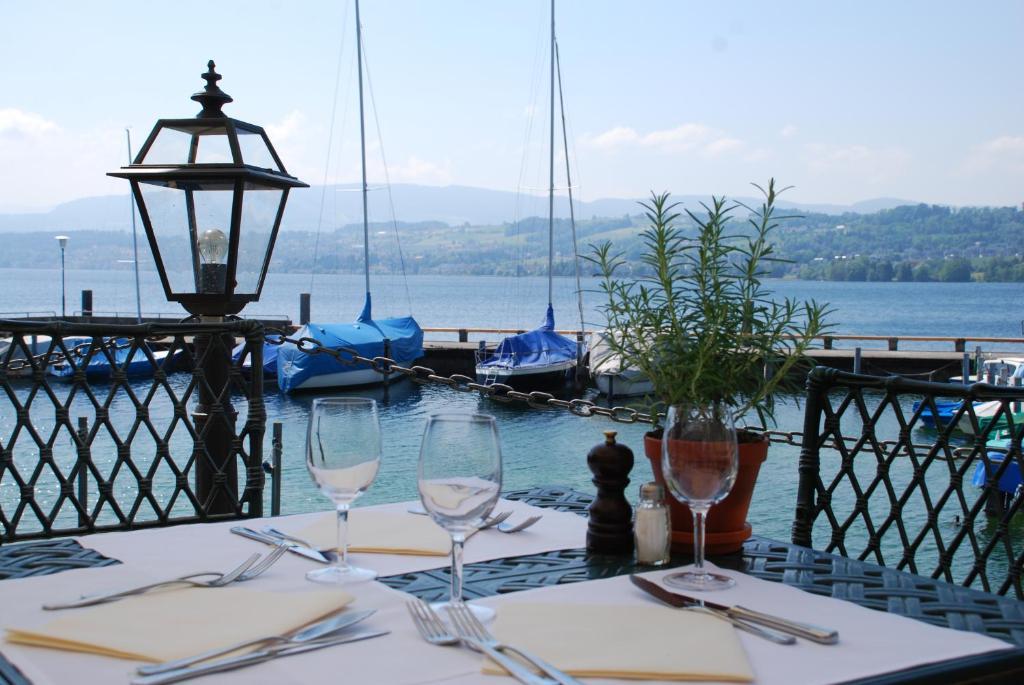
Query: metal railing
x,y
854,500
98,432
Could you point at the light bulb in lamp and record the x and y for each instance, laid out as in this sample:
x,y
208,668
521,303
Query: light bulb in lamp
x,y
213,246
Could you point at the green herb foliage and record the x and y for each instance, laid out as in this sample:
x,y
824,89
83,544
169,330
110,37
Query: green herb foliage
x,y
702,326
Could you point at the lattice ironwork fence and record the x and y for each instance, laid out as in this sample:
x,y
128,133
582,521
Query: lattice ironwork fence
x,y
878,484
117,427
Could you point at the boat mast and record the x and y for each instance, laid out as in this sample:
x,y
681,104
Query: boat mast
x,y
362,151
135,237
568,183
551,162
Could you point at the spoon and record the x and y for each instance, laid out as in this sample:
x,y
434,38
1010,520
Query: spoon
x,y
523,525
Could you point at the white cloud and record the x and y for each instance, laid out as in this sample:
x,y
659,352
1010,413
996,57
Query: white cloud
x,y
613,137
284,130
1005,154
16,123
872,165
688,137
788,131
722,146
416,170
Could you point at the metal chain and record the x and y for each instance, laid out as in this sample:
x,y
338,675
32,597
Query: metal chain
x,y
52,357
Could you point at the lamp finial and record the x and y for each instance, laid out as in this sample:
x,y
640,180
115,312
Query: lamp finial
x,y
212,98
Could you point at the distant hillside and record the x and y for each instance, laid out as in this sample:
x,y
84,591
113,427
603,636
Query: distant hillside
x,y
906,243
453,205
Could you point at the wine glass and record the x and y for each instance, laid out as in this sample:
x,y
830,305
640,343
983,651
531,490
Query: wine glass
x,y
699,459
459,480
343,455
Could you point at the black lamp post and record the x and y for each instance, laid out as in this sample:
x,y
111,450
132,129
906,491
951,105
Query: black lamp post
x,y
199,184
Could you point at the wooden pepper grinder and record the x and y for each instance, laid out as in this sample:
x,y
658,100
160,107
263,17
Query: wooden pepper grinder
x,y
610,529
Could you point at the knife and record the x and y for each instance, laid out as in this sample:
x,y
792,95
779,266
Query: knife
x,y
301,550
253,658
807,631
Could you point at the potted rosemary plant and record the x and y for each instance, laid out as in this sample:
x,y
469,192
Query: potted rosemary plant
x,y
703,328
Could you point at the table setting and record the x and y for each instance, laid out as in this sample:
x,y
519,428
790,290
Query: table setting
x,y
297,599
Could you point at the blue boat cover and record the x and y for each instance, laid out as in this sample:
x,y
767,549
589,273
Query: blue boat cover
x,y
99,366
1011,478
366,336
269,357
537,348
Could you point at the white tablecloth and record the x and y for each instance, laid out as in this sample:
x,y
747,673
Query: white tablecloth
x,y
173,550
872,642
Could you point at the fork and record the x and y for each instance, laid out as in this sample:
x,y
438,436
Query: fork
x,y
432,629
468,625
487,523
247,570
523,525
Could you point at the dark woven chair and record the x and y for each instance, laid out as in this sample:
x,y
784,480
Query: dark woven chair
x,y
878,484
82,453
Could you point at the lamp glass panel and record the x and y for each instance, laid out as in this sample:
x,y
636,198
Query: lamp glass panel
x,y
169,147
259,211
168,215
255,151
213,149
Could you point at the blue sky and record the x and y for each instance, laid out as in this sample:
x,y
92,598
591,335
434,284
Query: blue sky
x,y
844,101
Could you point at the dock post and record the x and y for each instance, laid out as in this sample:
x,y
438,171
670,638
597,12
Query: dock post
x,y
303,309
977,363
87,304
828,342
959,345
463,335
580,370
965,369
387,374
894,344
275,482
856,360
1016,407
83,472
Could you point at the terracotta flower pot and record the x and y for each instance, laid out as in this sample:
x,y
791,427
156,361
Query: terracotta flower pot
x,y
726,523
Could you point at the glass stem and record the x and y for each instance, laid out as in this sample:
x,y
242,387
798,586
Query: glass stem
x,y
341,559
458,540
698,537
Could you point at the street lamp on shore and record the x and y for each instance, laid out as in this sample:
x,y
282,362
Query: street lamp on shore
x,y
199,185
62,240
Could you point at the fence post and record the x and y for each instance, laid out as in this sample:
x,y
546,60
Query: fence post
x,y
277,448
83,472
303,309
87,304
965,369
856,360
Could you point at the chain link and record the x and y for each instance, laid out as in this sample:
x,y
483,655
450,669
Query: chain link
x,y
52,357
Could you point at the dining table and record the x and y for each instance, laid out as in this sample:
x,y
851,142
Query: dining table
x,y
894,627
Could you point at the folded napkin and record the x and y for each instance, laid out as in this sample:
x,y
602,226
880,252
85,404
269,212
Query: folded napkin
x,y
382,532
624,641
173,623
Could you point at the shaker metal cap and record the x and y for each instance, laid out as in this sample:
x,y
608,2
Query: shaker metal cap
x,y
652,490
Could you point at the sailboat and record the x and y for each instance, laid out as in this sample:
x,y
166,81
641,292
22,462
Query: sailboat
x,y
399,338
541,357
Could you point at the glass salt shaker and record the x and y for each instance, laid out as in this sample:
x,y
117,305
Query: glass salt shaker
x,y
652,526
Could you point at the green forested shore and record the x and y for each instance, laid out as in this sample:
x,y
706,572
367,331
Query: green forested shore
x,y
908,243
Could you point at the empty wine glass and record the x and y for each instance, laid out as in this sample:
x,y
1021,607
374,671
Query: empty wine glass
x,y
343,455
699,459
459,481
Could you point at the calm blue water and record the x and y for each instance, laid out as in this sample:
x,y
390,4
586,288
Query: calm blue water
x,y
540,447
926,309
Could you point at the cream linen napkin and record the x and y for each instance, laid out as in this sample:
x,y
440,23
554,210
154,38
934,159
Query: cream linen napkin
x,y
622,641
173,623
382,532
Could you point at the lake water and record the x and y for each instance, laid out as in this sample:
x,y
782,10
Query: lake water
x,y
540,447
